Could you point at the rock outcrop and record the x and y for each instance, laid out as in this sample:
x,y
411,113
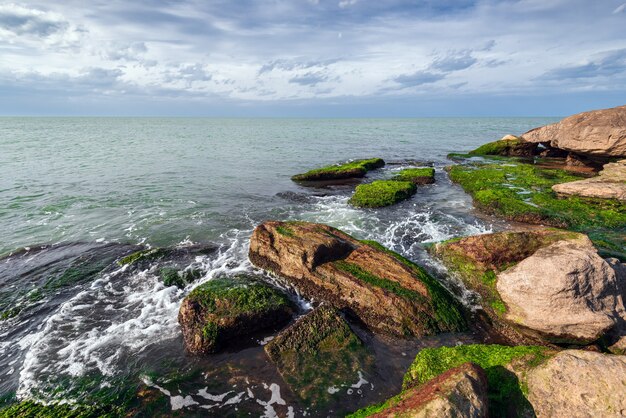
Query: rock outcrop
x,y
382,193
384,291
353,169
419,176
565,292
319,356
609,184
597,133
577,383
224,309
508,146
458,392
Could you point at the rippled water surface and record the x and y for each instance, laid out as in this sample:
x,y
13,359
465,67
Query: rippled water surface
x,y
91,189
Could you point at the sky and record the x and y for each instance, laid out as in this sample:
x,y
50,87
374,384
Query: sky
x,y
312,58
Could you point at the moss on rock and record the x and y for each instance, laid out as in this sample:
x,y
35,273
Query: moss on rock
x,y
417,175
507,147
319,355
143,255
224,308
382,193
357,168
31,409
505,392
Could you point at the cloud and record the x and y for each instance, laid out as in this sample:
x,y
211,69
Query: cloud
x,y
20,21
608,64
309,79
294,64
347,3
117,51
620,9
454,61
418,78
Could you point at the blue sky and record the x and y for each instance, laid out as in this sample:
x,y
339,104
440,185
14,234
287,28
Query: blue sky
x,y
315,58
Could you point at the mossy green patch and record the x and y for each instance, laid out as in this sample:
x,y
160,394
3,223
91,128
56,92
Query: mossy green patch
x,y
143,255
10,313
173,277
317,353
505,391
416,175
356,168
283,230
502,147
31,409
522,192
382,193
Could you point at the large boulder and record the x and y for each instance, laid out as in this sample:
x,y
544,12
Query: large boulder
x,y
609,184
319,356
223,310
577,383
599,133
458,392
352,169
385,291
565,292
508,146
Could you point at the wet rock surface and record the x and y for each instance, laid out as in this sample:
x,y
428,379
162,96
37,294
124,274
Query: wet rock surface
x,y
609,184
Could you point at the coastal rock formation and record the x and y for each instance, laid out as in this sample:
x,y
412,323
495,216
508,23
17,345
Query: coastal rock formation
x,y
609,184
223,309
417,176
382,193
319,356
386,292
577,383
458,392
598,133
354,169
565,292
508,146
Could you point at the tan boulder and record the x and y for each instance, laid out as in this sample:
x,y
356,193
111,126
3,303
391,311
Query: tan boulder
x,y
609,184
565,292
577,383
384,291
598,133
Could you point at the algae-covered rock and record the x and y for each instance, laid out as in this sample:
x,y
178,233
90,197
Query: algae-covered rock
x,y
458,392
609,184
353,169
508,146
504,366
382,193
145,256
385,291
319,355
32,409
577,383
222,309
171,276
417,176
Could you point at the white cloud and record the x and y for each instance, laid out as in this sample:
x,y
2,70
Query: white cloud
x,y
620,9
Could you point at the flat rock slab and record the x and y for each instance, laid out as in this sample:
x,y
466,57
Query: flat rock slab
x,y
609,184
577,383
319,356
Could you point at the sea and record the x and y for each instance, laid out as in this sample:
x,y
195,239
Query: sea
x,y
75,189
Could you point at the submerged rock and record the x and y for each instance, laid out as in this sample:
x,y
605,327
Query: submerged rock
x,y
577,383
417,176
223,309
382,193
357,168
543,285
598,133
319,356
609,184
458,392
508,146
386,292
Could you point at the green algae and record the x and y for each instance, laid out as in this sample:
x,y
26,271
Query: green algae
x,y
171,276
416,175
143,255
522,192
32,409
503,147
505,392
382,193
283,230
10,313
317,353
357,168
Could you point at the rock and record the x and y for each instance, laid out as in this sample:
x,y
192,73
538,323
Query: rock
x,y
565,292
417,176
599,133
382,193
508,146
319,356
609,184
618,347
503,366
458,392
577,383
223,309
386,292
357,168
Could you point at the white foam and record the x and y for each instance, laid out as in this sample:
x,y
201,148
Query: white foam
x,y
214,398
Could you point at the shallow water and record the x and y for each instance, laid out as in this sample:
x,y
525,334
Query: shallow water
x,y
93,187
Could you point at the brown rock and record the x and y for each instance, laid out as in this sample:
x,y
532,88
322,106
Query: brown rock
x,y
599,132
386,292
459,392
609,184
577,383
564,292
